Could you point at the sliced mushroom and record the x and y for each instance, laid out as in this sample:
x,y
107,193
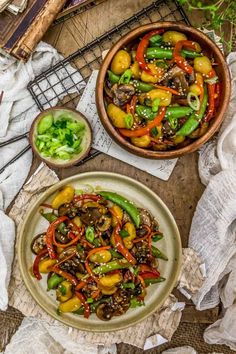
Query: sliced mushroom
x,y
177,76
122,93
90,216
145,217
104,311
68,209
38,243
103,223
121,301
61,238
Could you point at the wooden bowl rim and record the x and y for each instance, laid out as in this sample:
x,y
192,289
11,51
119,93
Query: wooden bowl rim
x,y
100,100
67,164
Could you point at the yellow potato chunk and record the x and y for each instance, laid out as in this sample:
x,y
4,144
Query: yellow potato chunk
x,y
103,256
165,96
120,62
65,195
157,74
172,37
46,265
202,65
70,305
143,141
116,115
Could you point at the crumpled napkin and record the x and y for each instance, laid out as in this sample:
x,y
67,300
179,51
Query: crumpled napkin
x,y
213,229
17,112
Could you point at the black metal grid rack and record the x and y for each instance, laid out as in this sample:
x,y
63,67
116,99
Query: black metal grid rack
x,y
48,88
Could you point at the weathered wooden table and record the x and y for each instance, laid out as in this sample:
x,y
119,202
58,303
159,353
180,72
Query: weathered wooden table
x,y
181,193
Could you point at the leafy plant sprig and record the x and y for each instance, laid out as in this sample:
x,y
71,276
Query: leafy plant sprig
x,y
217,13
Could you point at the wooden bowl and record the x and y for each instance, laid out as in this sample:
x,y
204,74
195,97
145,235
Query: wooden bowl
x,y
222,71
86,142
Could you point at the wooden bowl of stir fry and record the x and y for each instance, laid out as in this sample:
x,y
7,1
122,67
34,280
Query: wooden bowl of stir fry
x,y
99,251
162,90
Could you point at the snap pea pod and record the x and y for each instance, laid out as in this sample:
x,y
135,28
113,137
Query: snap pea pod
x,y
142,86
113,78
193,121
154,280
158,254
155,40
173,112
110,266
54,280
52,217
125,204
164,53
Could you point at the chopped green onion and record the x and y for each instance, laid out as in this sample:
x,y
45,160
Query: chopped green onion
x,y
59,137
155,104
157,237
129,120
89,300
154,132
62,289
173,122
123,233
89,234
128,286
193,101
126,77
212,80
134,302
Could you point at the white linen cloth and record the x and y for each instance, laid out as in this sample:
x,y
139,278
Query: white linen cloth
x,y
213,229
17,112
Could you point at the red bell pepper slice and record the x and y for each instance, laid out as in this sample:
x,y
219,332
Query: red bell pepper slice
x,y
179,60
50,235
65,275
141,50
211,97
36,263
84,303
144,268
120,246
145,130
133,104
150,275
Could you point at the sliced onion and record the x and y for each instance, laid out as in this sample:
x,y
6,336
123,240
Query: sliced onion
x,y
193,101
212,80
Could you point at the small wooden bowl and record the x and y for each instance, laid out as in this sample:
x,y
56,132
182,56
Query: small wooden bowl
x,y
208,46
86,142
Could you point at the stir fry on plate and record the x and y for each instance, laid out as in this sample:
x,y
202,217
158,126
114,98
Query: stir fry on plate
x,y
162,91
97,252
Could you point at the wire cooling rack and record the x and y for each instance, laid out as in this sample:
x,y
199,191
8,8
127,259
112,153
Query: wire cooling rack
x,y
49,87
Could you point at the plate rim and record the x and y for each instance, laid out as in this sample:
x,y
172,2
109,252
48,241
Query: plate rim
x,y
50,190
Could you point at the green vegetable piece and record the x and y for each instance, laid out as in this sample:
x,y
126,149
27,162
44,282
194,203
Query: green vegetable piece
x,y
52,217
54,281
126,77
154,132
62,289
158,254
155,40
89,300
44,124
154,281
193,121
128,286
164,53
123,233
155,104
159,53
80,311
142,86
113,78
115,254
193,101
110,266
134,302
89,234
125,204
157,237
190,54
96,242
129,120
178,112
145,112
